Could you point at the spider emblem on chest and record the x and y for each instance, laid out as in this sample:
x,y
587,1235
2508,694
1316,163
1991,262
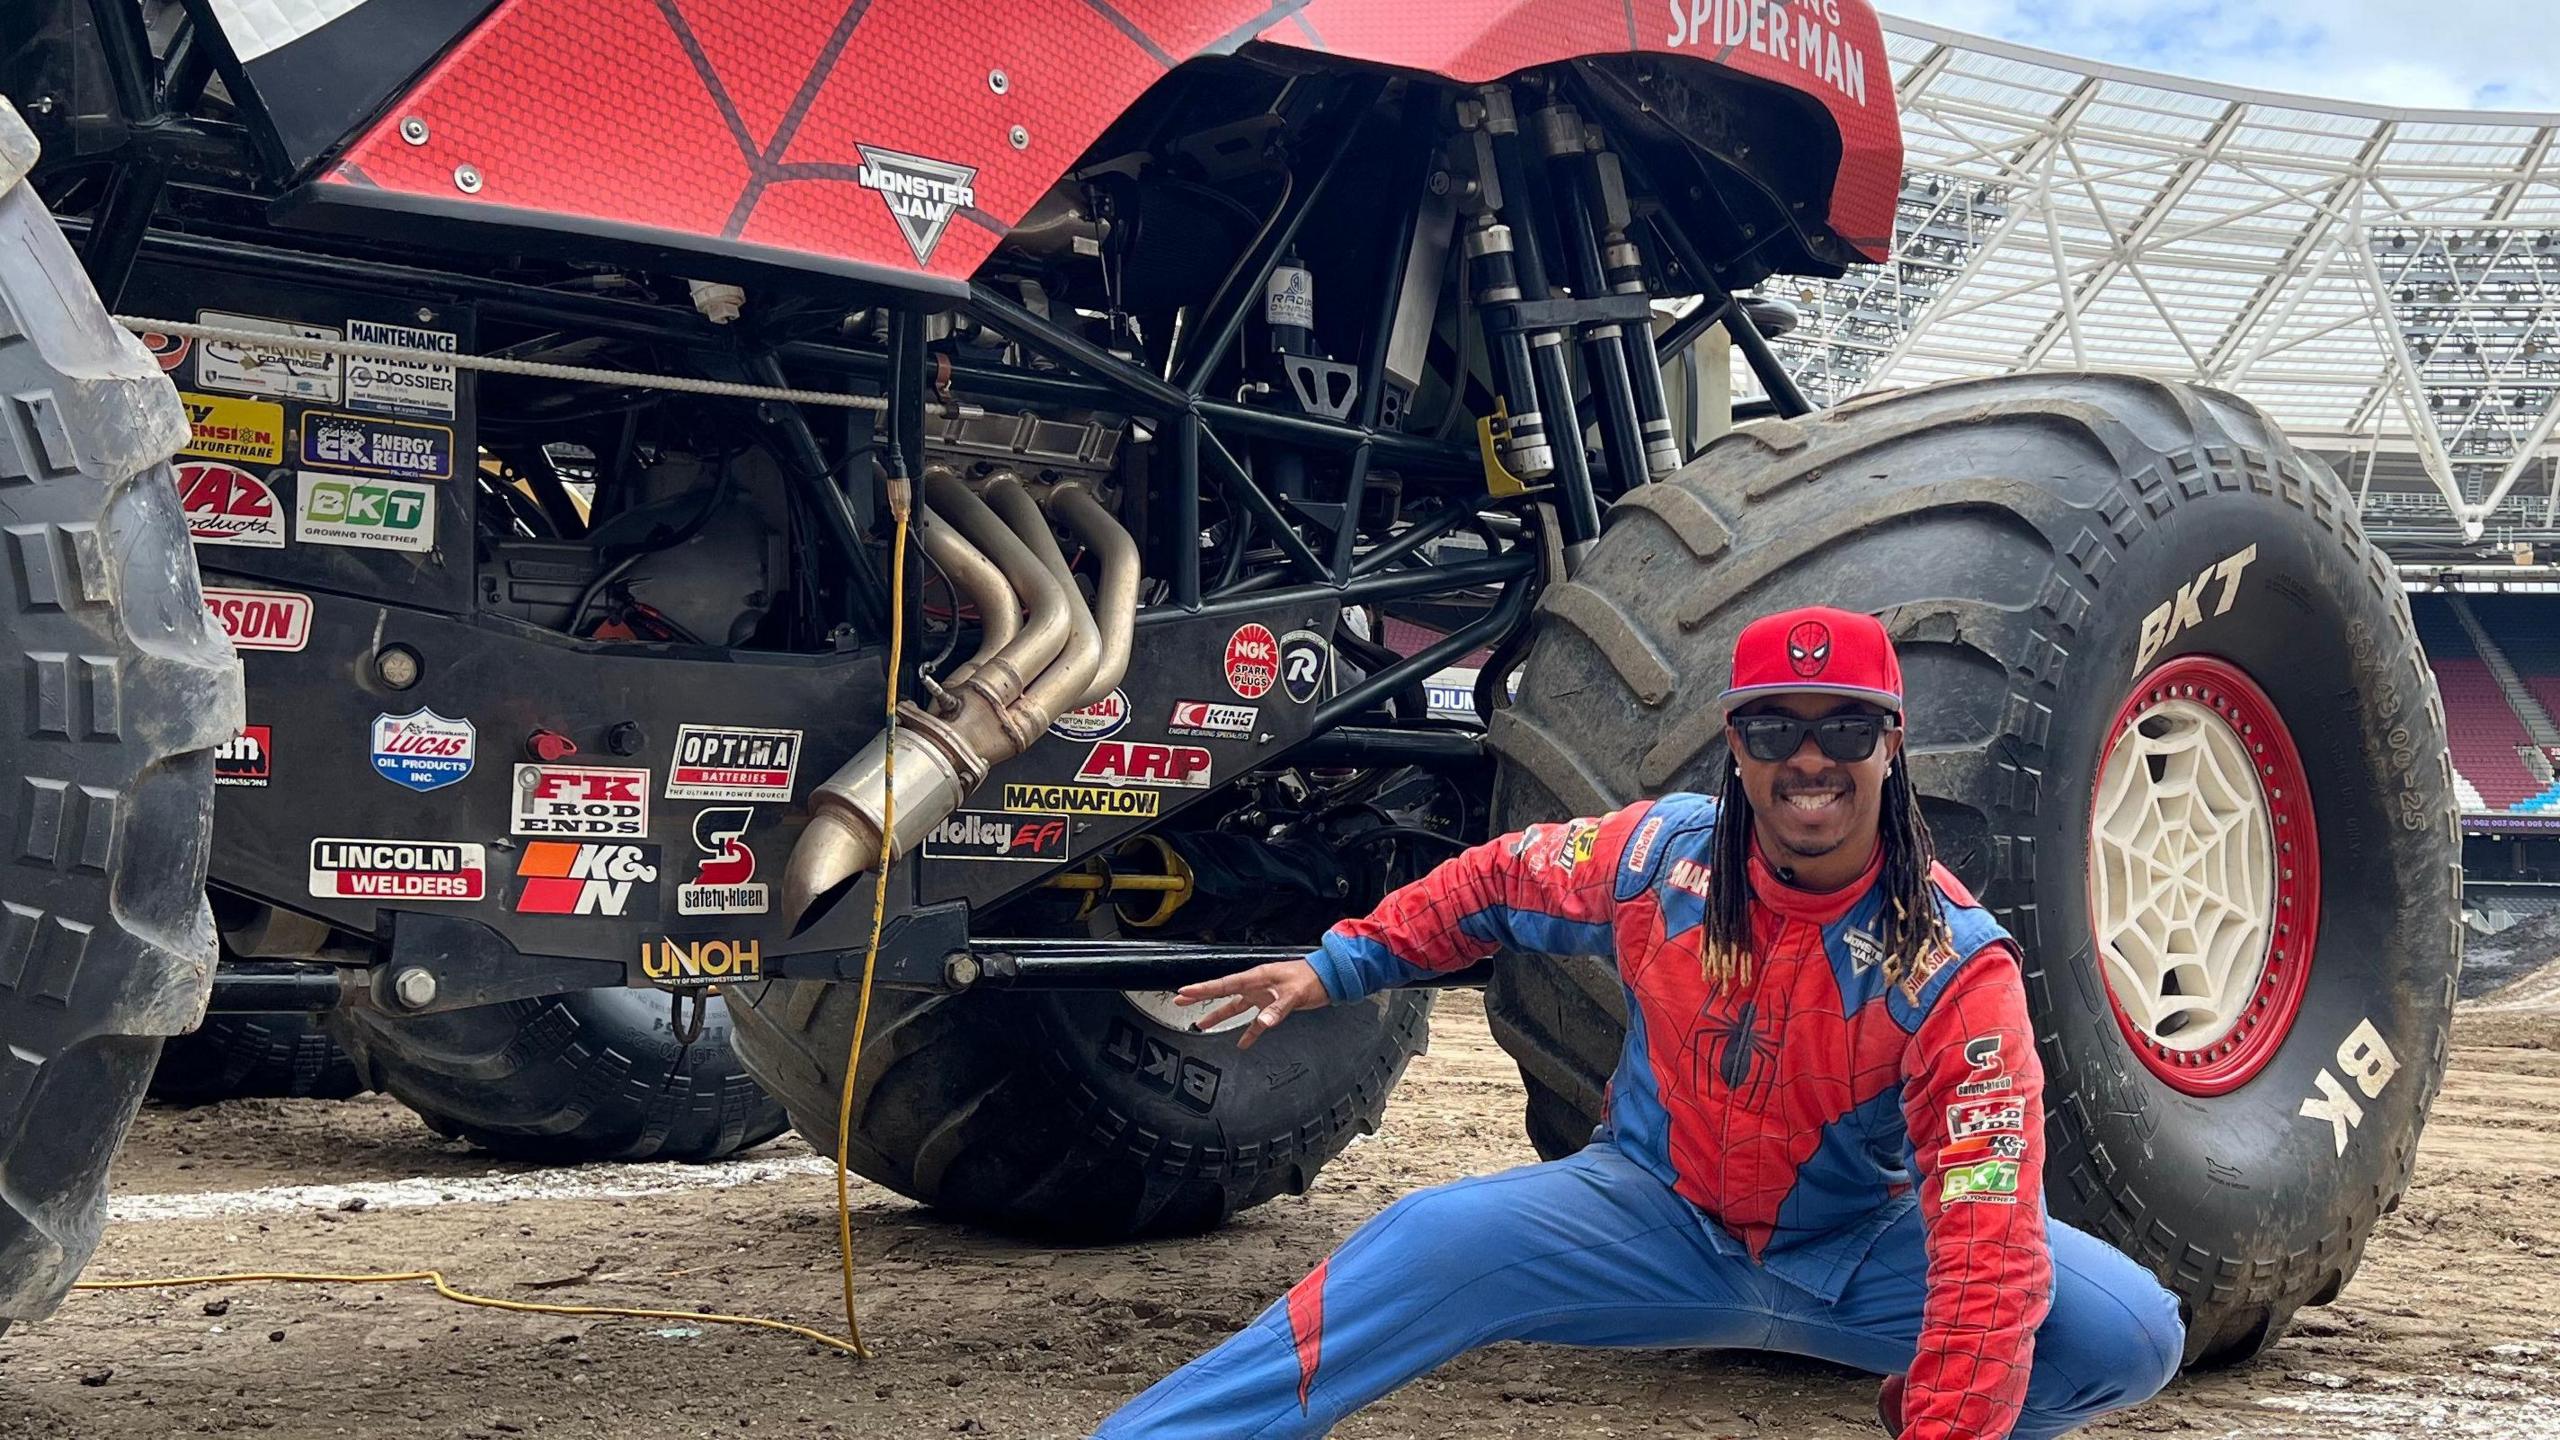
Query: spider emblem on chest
x,y
1738,1051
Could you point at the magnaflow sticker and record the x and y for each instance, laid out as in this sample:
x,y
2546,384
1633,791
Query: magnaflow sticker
x,y
278,367
365,514
398,870
365,445
421,386
227,505
733,762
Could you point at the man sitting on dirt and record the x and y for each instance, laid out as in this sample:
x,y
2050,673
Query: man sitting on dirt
x,y
1824,1136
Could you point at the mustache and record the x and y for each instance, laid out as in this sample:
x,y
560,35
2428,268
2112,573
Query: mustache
x,y
1834,783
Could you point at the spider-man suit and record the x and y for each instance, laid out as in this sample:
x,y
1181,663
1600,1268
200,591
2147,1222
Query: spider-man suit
x,y
1811,1159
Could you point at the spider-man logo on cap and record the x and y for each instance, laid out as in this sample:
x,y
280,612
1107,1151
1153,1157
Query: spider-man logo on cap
x,y
1816,650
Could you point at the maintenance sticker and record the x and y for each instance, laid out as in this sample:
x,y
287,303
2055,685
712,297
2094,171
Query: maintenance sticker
x,y
219,427
978,835
227,505
363,445
422,386
279,368
1079,800
366,514
732,762
399,870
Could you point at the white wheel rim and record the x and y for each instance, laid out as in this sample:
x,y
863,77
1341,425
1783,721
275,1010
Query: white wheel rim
x,y
2182,875
1172,1014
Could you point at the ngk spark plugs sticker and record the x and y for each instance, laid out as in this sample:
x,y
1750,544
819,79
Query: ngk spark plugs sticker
x,y
1100,720
275,367
1253,661
724,877
580,800
1206,719
227,505
979,835
367,514
922,194
1306,666
246,759
1080,800
398,870
421,386
219,427
261,619
570,877
422,750
696,963
363,445
1141,762
730,762
167,351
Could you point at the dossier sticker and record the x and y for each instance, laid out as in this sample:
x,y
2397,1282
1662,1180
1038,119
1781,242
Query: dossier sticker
x,y
227,505
367,445
275,367
733,762
417,383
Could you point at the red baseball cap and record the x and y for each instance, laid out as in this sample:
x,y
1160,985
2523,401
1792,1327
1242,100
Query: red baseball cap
x,y
1816,650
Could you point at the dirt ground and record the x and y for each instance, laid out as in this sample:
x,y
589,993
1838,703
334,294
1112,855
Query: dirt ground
x,y
2452,1329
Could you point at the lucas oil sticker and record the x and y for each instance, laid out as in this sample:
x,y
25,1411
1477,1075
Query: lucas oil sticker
x,y
567,877
398,870
249,432
731,762
580,800
363,445
422,749
979,835
724,877
366,514
421,386
267,367
227,505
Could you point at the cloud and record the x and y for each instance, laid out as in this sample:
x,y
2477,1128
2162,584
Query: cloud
x,y
2444,54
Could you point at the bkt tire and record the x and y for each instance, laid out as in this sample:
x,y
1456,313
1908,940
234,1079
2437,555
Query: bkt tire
x,y
565,1079
286,1056
120,687
1077,1115
2169,719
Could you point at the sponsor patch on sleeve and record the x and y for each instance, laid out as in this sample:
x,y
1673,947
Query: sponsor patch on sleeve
x,y
1992,1182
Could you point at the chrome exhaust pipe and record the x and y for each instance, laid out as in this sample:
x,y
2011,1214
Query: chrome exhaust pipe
x,y
975,579
1115,600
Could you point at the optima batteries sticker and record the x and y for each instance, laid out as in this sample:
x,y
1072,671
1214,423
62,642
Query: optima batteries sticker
x,y
731,762
398,870
363,445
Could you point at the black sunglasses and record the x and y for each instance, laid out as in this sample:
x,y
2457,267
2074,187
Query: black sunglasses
x,y
1772,738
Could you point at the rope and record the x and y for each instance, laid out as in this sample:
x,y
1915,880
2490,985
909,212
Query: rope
x,y
500,365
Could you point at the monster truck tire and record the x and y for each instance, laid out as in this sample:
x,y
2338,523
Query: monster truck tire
x,y
2045,551
287,1056
120,688
564,1079
1072,1115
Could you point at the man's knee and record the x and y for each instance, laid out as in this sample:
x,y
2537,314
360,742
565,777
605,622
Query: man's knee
x,y
2105,1347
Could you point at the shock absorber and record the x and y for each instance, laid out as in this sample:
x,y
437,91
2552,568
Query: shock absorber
x,y
1497,282
1604,356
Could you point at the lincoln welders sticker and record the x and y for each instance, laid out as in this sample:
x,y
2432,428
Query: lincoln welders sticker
x,y
365,445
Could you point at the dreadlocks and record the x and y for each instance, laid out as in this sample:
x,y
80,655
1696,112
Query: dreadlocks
x,y
1911,925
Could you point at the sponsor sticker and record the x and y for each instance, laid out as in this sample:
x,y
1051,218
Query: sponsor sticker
x,y
1918,978
1143,762
1207,719
1579,839
364,445
227,505
422,749
1985,1117
1993,1182
245,760
220,427
1983,1147
1640,849
1988,1076
724,878
1253,661
922,194
571,877
369,514
261,619
275,367
1306,666
697,963
1079,800
1100,720
980,835
580,800
1866,952
1687,875
167,351
732,762
398,870
422,386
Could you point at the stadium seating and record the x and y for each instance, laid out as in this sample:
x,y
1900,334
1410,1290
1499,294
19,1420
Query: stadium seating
x,y
2484,728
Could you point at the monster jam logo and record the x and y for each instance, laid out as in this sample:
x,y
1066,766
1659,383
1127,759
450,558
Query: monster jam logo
x,y
922,194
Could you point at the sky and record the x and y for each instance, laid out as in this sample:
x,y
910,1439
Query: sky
x,y
2424,54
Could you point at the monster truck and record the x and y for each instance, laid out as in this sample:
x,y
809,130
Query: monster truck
x,y
567,374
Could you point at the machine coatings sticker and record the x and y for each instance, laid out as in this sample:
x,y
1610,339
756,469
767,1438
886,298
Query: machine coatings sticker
x,y
724,877
245,760
580,800
1079,800
261,619
278,368
219,427
422,750
367,514
1306,666
1205,720
730,762
1100,720
1253,661
227,505
363,445
694,964
980,835
422,386
1143,762
398,870
570,877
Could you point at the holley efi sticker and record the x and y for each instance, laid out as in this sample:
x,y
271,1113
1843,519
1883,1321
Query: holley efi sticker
x,y
580,800
983,835
1143,762
732,762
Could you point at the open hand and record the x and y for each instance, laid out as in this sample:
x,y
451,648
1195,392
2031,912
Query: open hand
x,y
1279,989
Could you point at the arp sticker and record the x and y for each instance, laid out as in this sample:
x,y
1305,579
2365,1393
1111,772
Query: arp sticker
x,y
1143,762
1985,1117
246,760
1306,666
1992,1182
575,877
422,386
366,445
1252,661
580,800
261,619
275,367
366,514
1209,720
733,762
227,505
696,963
221,427
724,876
1080,800
1100,720
398,869
981,835
422,750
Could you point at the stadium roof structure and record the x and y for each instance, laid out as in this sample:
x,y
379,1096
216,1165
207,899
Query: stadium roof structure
x,y
2384,282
